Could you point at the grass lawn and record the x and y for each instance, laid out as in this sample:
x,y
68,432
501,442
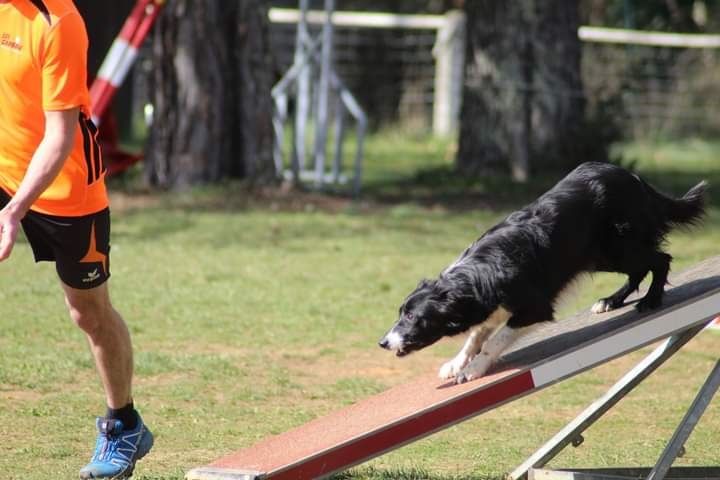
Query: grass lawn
x,y
251,317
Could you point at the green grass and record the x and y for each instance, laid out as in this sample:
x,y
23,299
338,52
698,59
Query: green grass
x,y
253,315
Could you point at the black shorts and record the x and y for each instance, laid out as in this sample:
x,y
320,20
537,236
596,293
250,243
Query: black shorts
x,y
79,246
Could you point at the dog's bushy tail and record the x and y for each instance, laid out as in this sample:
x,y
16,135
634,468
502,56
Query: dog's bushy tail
x,y
688,210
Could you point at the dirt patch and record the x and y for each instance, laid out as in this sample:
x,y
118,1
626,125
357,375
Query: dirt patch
x,y
381,366
8,392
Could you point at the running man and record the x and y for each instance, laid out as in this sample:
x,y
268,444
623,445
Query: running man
x,y
52,183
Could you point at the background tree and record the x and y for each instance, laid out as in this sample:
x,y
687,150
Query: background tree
x,y
210,86
522,101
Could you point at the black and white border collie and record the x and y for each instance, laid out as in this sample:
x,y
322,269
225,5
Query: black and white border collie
x,y
600,217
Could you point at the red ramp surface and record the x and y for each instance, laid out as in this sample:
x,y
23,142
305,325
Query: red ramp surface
x,y
373,426
408,412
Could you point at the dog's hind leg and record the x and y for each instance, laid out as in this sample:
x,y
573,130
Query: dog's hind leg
x,y
617,299
659,266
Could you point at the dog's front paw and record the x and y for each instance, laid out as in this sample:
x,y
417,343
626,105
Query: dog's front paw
x,y
474,369
603,305
451,368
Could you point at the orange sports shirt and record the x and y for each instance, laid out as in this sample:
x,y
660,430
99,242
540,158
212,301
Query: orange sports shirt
x,y
43,66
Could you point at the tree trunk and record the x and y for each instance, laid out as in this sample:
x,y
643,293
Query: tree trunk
x,y
522,101
210,87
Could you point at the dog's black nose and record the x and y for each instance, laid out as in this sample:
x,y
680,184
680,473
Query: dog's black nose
x,y
384,343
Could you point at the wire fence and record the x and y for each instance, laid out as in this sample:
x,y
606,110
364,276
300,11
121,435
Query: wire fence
x,y
655,90
648,89
390,71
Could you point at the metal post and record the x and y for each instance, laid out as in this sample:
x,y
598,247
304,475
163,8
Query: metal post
x,y
361,130
303,56
321,122
572,432
357,112
449,53
309,53
687,425
279,117
339,138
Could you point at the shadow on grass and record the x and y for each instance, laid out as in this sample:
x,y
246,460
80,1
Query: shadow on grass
x,y
429,187
434,187
446,188
443,185
371,473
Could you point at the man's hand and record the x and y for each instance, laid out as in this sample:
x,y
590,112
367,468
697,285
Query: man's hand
x,y
9,225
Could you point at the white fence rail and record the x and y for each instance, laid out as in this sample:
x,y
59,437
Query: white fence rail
x,y
649,39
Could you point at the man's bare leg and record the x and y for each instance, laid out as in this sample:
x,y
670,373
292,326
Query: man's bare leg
x,y
109,340
122,436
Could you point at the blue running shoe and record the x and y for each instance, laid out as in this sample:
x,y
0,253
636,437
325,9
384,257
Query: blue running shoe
x,y
117,450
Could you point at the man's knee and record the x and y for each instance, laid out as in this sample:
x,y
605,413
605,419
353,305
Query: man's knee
x,y
90,311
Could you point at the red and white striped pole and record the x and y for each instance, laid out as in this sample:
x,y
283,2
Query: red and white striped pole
x,y
122,55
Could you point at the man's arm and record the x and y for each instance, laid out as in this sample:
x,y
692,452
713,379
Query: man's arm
x,y
45,165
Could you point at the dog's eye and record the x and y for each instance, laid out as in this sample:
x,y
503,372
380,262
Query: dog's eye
x,y
409,315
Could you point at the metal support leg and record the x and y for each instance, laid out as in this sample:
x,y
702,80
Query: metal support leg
x,y
572,432
339,139
323,93
687,425
303,56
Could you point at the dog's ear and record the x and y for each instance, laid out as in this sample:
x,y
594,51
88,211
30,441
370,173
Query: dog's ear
x,y
455,288
425,283
442,289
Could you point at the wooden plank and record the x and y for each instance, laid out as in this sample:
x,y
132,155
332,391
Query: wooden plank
x,y
405,413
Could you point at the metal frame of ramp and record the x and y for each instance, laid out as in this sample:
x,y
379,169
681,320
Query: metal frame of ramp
x,y
572,433
403,414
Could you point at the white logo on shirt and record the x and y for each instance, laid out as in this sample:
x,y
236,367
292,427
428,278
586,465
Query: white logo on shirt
x,y
7,42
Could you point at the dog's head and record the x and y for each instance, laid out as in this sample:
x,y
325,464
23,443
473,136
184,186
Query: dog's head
x,y
436,308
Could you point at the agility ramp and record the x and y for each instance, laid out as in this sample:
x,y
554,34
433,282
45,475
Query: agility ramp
x,y
403,414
